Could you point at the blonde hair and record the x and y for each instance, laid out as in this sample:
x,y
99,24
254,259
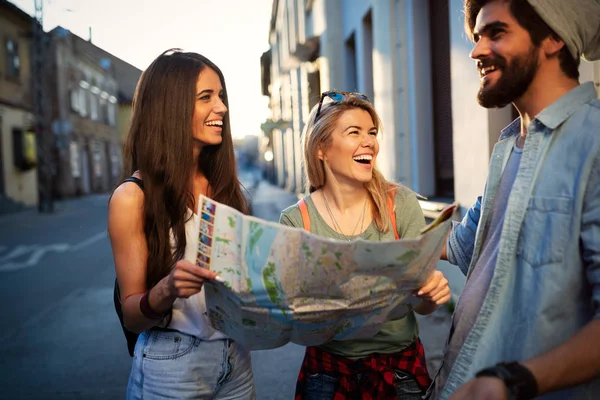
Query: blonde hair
x,y
317,135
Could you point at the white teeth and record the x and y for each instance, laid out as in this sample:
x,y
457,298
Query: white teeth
x,y
215,123
487,70
365,157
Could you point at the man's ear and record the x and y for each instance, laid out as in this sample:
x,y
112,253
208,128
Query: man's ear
x,y
552,46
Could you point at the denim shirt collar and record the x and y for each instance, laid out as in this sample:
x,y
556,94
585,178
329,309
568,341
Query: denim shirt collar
x,y
557,112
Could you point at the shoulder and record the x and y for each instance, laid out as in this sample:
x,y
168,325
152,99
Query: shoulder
x,y
127,194
409,215
126,202
586,119
404,196
292,216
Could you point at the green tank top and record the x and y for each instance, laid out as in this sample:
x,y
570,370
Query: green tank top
x,y
395,335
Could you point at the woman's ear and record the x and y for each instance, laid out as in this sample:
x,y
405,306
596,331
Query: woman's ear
x,y
320,154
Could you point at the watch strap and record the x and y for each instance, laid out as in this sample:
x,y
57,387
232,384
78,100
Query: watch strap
x,y
518,379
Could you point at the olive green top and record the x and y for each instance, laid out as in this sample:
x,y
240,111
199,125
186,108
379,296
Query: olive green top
x,y
395,335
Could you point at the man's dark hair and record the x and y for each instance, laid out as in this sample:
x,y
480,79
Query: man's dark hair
x,y
530,20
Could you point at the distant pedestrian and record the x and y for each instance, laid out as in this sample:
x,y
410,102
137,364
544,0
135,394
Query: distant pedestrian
x,y
179,147
351,199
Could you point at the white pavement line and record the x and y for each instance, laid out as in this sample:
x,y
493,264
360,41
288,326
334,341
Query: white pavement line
x,y
88,241
17,252
34,253
34,258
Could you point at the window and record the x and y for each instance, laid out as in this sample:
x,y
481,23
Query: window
x,y
367,55
74,98
350,60
94,92
442,101
75,162
314,88
83,92
14,61
112,110
97,148
103,109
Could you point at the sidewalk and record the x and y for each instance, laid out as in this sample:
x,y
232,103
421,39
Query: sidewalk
x,y
268,202
62,206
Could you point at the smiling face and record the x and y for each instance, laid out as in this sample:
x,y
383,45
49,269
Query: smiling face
x,y
209,109
506,58
354,148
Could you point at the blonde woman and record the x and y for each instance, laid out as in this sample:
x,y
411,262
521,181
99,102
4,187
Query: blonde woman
x,y
351,199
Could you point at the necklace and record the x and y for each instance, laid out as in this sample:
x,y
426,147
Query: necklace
x,y
361,219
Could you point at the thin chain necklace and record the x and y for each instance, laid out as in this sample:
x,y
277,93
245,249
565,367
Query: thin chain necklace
x,y
361,219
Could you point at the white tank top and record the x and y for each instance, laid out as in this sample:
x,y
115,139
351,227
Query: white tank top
x,y
189,315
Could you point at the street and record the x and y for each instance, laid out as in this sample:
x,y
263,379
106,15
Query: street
x,y
61,336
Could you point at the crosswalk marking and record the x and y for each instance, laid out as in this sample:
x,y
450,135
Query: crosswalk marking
x,y
34,253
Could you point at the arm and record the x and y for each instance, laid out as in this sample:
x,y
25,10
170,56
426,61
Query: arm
x,y
572,363
436,290
130,252
435,293
461,239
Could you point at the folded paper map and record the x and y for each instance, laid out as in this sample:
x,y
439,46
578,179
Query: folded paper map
x,y
283,284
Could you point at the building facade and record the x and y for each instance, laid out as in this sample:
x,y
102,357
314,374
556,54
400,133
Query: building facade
x,y
126,75
87,100
18,172
93,95
411,58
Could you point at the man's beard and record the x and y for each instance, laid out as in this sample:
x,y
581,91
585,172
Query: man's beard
x,y
514,80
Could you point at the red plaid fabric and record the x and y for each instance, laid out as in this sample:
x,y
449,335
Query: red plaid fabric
x,y
380,384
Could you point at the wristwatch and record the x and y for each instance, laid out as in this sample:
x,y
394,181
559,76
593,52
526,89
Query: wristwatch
x,y
518,379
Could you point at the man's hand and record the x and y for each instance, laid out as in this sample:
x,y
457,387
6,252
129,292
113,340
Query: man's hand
x,y
482,389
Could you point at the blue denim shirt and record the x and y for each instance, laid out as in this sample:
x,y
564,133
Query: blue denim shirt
x,y
546,284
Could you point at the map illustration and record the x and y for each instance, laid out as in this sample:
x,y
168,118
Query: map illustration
x,y
283,284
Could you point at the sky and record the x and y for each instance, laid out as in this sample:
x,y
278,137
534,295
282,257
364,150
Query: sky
x,y
231,33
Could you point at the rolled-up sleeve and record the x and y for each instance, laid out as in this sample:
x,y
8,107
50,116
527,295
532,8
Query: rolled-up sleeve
x,y
459,249
590,234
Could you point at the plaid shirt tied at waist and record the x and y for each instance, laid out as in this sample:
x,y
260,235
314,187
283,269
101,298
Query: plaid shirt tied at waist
x,y
380,383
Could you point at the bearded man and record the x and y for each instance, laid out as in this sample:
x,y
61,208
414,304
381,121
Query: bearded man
x,y
527,322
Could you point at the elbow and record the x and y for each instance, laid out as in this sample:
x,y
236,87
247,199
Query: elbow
x,y
132,326
425,308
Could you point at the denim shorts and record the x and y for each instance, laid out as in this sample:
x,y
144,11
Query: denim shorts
x,y
171,364
322,387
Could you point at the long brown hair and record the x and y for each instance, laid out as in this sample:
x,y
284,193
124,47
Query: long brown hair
x,y
317,135
160,147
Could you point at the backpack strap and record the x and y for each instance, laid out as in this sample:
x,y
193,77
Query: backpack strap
x,y
135,180
304,213
390,204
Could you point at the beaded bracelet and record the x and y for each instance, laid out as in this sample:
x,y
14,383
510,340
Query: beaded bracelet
x,y
146,310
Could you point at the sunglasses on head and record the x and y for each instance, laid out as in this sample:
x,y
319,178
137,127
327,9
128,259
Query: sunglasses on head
x,y
338,96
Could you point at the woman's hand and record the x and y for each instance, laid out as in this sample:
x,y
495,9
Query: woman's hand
x,y
434,293
436,289
186,279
